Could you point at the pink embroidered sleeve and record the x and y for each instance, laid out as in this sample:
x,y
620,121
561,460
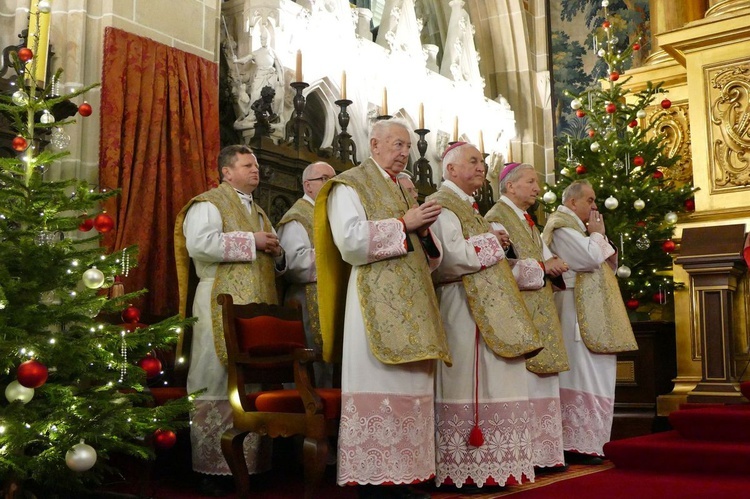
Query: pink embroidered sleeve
x,y
529,274
488,249
238,246
604,246
386,239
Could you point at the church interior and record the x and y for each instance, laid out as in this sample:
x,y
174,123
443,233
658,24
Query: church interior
x,y
159,87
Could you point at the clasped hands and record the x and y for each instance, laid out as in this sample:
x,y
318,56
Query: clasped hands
x,y
419,218
268,242
596,222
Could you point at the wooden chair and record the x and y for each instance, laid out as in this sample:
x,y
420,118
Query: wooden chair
x,y
266,346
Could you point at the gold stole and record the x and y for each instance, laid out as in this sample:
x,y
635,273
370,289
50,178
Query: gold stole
x,y
399,306
602,318
541,305
247,282
494,298
302,211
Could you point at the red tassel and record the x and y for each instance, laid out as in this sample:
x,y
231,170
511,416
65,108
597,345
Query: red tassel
x,y
476,438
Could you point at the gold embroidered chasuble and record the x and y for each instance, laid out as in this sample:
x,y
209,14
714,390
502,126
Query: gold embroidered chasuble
x,y
602,318
540,303
302,211
247,282
494,299
399,307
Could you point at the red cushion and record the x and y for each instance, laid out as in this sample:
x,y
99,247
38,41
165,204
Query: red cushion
x,y
290,401
167,393
266,335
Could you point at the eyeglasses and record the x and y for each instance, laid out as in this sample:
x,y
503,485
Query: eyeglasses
x,y
324,178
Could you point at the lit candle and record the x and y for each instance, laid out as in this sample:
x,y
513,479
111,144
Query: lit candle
x,y
421,115
298,70
343,85
455,129
384,104
510,153
481,142
38,41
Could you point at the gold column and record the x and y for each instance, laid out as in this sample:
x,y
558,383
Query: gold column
x,y
667,15
721,7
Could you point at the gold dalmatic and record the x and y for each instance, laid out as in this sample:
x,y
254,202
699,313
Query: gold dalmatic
x,y
527,243
494,299
602,318
302,211
247,282
399,306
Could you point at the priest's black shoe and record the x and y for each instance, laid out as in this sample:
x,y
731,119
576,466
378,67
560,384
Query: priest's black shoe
x,y
586,459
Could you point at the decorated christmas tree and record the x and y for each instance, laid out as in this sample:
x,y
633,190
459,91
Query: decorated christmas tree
x,y
75,384
619,148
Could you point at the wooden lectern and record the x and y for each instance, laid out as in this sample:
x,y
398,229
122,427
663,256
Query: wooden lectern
x,y
712,256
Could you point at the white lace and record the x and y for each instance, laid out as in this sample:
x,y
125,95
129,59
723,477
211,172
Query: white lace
x,y
546,432
488,249
238,246
387,239
587,421
530,275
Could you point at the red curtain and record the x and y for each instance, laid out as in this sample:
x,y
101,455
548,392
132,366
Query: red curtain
x,y
159,145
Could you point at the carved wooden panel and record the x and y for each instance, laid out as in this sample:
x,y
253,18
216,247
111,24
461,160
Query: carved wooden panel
x,y
674,128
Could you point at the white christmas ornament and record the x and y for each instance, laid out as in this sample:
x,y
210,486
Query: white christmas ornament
x,y
641,113
605,3
601,52
623,271
671,217
16,391
611,203
549,197
93,278
594,147
81,457
20,98
575,104
47,117
45,6
639,204
565,172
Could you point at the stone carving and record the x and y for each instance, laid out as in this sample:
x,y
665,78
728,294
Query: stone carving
x,y
730,126
460,58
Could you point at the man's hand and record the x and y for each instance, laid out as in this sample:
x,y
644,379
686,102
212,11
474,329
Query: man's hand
x,y
268,242
419,218
555,266
596,222
502,237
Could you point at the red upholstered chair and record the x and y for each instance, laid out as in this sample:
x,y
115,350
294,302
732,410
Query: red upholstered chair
x,y
266,346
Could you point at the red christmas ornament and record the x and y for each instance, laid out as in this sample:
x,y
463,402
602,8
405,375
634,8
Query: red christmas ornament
x,y
690,204
606,24
25,54
580,169
151,365
85,109
666,104
580,113
633,124
640,223
164,439
32,374
86,225
658,297
611,108
131,314
592,132
632,304
19,144
668,246
614,76
658,175
636,46
638,161
103,222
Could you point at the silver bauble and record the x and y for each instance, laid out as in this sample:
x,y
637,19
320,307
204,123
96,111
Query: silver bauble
x,y
47,117
611,203
641,114
605,3
639,204
618,164
594,147
80,457
623,271
16,391
45,6
643,243
601,52
93,278
565,172
20,98
671,217
614,40
549,197
575,104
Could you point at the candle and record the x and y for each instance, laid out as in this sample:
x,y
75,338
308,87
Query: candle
x,y
481,142
38,42
343,85
510,153
298,70
421,115
384,104
455,129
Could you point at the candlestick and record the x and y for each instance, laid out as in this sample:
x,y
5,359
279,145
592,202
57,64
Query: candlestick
x,y
455,129
38,41
421,115
384,104
343,85
298,69
481,142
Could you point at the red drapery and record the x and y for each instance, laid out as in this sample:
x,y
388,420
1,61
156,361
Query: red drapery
x,y
159,145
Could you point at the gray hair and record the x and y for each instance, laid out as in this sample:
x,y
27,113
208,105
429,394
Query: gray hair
x,y
381,127
308,171
452,156
574,190
514,175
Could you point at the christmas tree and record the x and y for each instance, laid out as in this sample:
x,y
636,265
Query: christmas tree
x,y
75,384
618,148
